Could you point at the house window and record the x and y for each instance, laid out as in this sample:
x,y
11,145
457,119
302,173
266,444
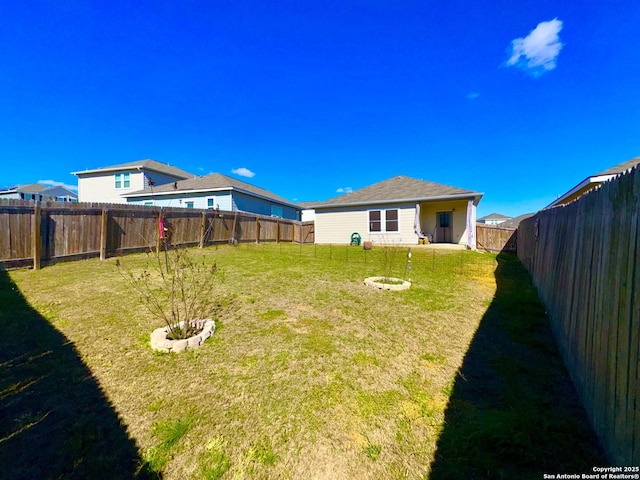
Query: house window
x,y
123,180
383,221
375,222
148,204
391,224
189,204
276,211
211,203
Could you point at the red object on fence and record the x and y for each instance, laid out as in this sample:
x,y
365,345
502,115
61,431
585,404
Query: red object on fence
x,y
161,227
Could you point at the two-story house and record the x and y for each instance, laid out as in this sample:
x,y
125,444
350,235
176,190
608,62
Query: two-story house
x,y
109,184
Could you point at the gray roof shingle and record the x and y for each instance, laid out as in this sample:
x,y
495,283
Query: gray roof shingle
x,y
148,164
621,168
396,190
494,216
212,182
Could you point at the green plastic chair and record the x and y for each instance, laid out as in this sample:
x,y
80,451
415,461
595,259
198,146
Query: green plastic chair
x,y
355,239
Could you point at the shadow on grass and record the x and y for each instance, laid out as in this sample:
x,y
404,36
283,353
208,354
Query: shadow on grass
x,y
513,412
55,421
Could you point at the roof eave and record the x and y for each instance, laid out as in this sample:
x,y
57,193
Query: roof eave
x,y
130,167
596,179
458,196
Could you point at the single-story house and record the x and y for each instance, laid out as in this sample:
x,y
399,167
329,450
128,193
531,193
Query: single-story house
x,y
109,184
493,219
216,191
594,181
400,210
39,193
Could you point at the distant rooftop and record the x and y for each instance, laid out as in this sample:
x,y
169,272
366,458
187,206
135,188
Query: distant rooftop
x,y
494,216
147,164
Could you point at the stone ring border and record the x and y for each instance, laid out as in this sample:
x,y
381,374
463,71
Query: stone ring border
x,y
378,282
160,342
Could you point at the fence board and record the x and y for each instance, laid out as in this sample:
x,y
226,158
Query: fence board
x,y
584,261
496,239
79,230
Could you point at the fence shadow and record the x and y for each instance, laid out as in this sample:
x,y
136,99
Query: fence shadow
x,y
55,421
513,411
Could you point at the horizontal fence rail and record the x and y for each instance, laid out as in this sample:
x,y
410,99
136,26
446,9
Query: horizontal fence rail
x,y
38,234
496,239
585,263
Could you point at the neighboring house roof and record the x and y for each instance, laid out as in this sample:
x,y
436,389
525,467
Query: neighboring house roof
x,y
307,205
514,222
28,188
214,182
397,190
149,164
493,216
59,191
36,188
593,181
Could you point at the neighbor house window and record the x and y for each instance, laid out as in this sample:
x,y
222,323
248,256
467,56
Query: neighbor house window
x,y
123,180
148,204
383,221
276,211
189,204
209,202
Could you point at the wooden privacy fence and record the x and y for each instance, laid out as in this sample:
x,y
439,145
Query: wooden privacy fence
x,y
36,234
496,239
585,262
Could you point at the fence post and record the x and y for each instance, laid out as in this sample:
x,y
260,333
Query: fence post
x,y
158,236
257,229
36,239
203,226
103,235
277,231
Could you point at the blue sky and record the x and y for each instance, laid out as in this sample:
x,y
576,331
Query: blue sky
x,y
519,100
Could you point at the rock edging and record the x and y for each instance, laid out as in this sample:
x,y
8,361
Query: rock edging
x,y
378,282
160,342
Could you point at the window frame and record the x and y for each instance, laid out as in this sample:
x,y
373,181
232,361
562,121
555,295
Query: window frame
x,y
383,221
122,180
277,212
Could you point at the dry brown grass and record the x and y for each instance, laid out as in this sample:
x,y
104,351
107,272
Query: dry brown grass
x,y
310,374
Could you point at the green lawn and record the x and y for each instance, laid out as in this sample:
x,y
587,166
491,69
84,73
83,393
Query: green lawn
x,y
309,374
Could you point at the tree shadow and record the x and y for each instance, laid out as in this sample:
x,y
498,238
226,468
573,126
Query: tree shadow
x,y
513,412
55,421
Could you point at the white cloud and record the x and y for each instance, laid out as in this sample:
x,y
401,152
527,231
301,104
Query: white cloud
x,y
537,52
53,183
243,172
472,95
344,190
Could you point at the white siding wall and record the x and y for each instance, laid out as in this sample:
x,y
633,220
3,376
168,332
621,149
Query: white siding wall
x,y
337,224
12,195
308,215
101,187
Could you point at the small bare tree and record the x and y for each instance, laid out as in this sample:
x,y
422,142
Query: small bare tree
x,y
181,294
